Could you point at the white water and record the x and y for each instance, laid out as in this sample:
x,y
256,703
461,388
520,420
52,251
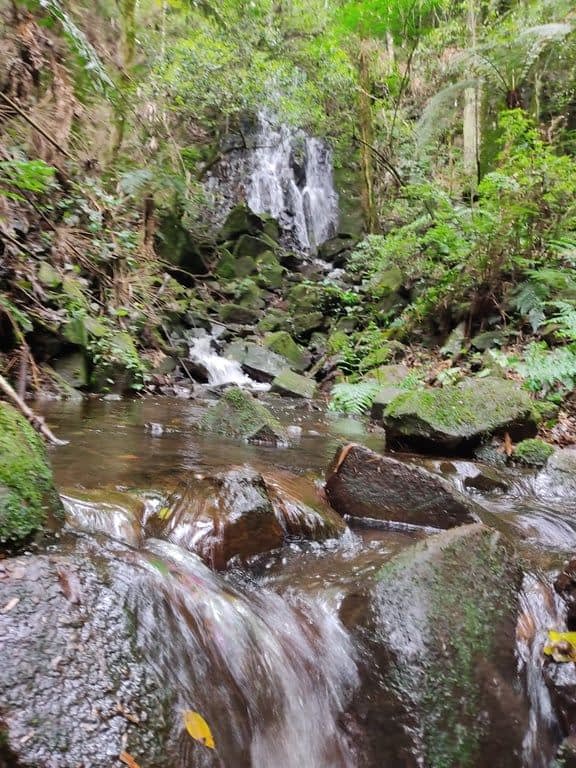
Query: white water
x,y
221,370
298,191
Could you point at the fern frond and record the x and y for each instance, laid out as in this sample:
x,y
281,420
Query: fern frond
x,y
353,399
439,111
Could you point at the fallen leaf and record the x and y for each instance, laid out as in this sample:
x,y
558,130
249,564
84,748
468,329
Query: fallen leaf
x,y
128,760
128,457
508,447
342,456
561,646
10,604
198,728
164,513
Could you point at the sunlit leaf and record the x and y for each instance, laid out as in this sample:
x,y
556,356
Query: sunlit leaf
x,y
164,513
128,760
561,646
198,728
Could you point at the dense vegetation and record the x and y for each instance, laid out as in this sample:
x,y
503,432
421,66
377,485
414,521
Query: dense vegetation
x,y
452,125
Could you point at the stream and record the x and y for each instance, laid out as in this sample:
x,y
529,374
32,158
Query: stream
x,y
282,655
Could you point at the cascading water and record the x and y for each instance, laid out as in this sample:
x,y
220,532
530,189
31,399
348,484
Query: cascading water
x,y
286,174
220,369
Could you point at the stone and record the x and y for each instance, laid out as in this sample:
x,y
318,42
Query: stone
x,y
48,275
294,385
243,221
245,266
226,266
271,273
336,246
73,369
304,324
455,343
257,361
274,320
459,417
363,484
234,313
224,516
390,377
532,452
238,415
440,687
382,400
249,246
284,345
305,297
249,295
29,502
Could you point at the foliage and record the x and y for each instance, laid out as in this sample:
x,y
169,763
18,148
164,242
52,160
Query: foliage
x,y
18,176
353,399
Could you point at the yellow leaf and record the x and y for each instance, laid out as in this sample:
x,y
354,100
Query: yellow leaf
x,y
198,728
164,513
561,646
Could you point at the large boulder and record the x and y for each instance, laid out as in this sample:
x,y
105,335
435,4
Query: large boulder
x,y
29,501
294,385
238,415
224,516
243,221
259,362
363,484
284,345
390,378
440,683
458,417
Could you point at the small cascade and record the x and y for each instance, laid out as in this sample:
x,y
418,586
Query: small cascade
x,y
271,677
220,370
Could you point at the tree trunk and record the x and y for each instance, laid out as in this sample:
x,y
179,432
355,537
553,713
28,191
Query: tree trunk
x,y
367,140
471,131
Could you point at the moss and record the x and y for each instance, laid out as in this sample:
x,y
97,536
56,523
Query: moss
x,y
533,452
28,498
238,415
477,408
283,344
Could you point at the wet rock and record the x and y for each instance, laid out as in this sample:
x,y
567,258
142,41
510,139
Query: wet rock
x,y
73,369
390,377
458,417
224,516
532,452
302,511
76,692
364,484
250,246
243,221
294,385
305,323
336,249
29,502
441,688
284,345
270,272
116,514
260,363
240,416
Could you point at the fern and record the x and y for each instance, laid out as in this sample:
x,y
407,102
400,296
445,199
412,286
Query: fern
x,y
353,399
543,369
528,300
565,318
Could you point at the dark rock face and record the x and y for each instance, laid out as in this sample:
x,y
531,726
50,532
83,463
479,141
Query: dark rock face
x,y
224,516
441,687
361,483
455,418
75,691
260,363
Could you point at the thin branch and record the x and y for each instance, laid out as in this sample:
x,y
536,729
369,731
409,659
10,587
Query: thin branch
x,y
37,421
35,125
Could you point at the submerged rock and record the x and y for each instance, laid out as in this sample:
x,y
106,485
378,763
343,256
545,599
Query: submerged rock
x,y
441,688
240,416
294,385
364,484
29,501
459,416
223,516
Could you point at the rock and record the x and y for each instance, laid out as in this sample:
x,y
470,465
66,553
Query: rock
x,y
306,323
532,452
239,416
283,344
116,514
243,221
245,266
455,343
48,275
458,417
305,297
115,373
363,484
73,369
250,246
224,516
29,502
76,691
293,385
390,377
249,295
270,272
234,313
257,361
441,687
274,320
563,461
303,513
336,246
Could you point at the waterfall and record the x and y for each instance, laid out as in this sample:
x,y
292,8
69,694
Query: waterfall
x,y
285,173
220,370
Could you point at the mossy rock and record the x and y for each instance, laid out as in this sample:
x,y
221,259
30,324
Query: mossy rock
x,y
29,501
226,267
238,415
73,369
270,272
283,344
258,362
305,298
247,245
533,452
440,624
303,325
293,385
249,295
274,320
460,416
243,221
234,313
245,266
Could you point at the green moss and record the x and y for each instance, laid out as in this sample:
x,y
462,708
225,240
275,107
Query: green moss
x,y
533,452
283,344
27,494
238,415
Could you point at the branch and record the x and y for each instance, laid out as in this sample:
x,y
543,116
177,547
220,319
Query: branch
x,y
36,421
385,162
35,125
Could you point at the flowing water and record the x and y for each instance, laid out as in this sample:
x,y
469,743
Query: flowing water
x,y
220,370
268,654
